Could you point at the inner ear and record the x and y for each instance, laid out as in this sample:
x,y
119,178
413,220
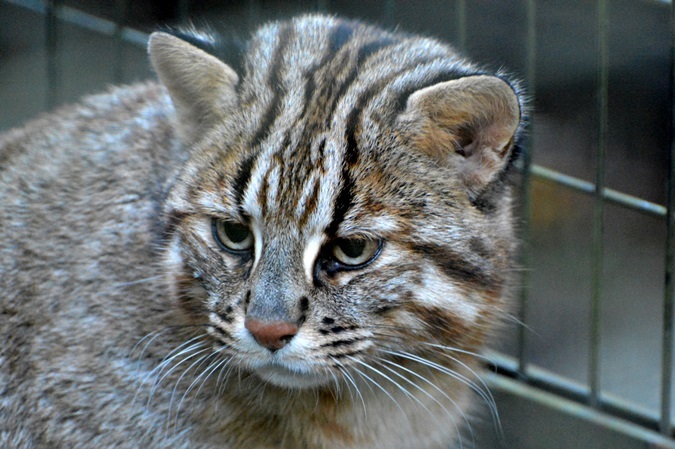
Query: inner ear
x,y
465,142
467,124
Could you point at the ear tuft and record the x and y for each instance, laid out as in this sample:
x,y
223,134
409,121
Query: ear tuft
x,y
201,87
468,123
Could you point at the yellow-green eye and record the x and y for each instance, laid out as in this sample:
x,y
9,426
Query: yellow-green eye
x,y
355,252
232,236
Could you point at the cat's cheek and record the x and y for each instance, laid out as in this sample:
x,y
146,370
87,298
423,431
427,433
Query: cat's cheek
x,y
438,291
173,265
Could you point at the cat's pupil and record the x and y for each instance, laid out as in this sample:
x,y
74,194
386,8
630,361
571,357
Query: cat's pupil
x,y
236,233
353,248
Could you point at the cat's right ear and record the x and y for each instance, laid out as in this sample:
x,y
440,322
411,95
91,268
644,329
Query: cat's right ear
x,y
201,86
468,124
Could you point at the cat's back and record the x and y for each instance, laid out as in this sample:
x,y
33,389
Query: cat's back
x,y
80,192
88,177
95,168
127,126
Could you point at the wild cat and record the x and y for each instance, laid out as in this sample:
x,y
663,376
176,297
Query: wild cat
x,y
307,252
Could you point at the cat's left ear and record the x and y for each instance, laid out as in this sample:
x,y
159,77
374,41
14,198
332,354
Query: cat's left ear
x,y
468,123
201,86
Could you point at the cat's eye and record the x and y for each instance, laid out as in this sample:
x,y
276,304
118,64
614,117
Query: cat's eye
x,y
232,236
355,252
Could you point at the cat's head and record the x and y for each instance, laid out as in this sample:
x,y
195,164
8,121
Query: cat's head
x,y
345,202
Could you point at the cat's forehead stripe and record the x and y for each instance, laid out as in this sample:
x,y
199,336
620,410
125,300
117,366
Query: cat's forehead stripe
x,y
242,179
345,76
340,38
273,82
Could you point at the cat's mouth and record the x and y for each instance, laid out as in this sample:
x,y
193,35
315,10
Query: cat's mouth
x,y
286,376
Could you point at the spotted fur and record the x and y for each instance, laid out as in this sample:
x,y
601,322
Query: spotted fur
x,y
131,324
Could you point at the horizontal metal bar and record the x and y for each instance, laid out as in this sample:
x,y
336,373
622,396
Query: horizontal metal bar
x,y
535,396
552,383
610,195
86,21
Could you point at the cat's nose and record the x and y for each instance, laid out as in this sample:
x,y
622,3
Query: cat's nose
x,y
271,334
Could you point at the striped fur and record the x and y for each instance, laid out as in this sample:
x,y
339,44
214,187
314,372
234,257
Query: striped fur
x,y
317,152
332,133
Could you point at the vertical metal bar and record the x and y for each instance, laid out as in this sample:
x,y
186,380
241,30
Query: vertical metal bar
x,y
322,5
389,13
598,212
669,288
122,10
525,193
183,11
460,12
51,46
253,13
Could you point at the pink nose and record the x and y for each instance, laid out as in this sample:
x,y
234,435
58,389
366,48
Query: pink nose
x,y
271,334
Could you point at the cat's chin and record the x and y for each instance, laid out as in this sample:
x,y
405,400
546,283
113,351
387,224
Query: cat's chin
x,y
284,377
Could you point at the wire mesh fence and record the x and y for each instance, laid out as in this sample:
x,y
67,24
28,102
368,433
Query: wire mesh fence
x,y
600,77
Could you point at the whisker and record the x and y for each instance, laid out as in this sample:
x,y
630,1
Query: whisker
x,y
203,358
155,372
337,394
226,377
461,351
178,348
174,367
408,381
350,380
138,281
152,336
492,404
200,360
487,397
365,376
427,381
207,372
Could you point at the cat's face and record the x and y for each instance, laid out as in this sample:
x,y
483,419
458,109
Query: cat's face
x,y
343,210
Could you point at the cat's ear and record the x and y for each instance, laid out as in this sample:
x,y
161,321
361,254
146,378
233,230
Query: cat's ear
x,y
468,123
201,86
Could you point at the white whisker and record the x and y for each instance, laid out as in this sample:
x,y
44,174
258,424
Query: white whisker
x,y
221,380
350,380
490,400
200,360
483,390
427,381
175,366
487,397
155,372
138,281
203,375
374,382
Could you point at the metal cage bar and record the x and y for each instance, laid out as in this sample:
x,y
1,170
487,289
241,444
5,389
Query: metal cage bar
x,y
122,12
525,192
51,48
460,11
669,287
597,252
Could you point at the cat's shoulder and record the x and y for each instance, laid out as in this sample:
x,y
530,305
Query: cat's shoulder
x,y
125,125
138,106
